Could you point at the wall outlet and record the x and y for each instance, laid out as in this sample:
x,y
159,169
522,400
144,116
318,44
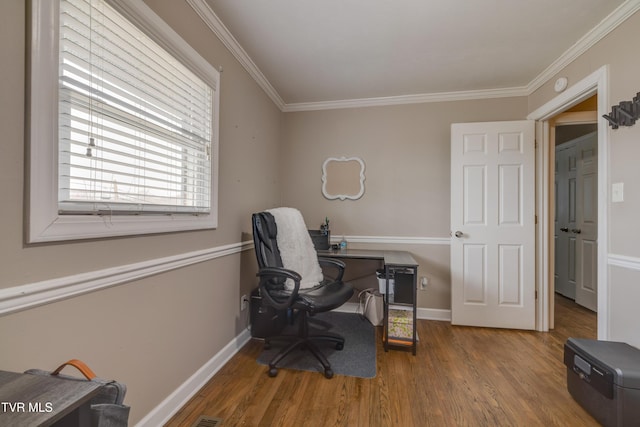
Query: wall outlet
x,y
244,302
424,282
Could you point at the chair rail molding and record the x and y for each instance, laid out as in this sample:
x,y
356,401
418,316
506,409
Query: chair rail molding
x,y
624,261
406,240
23,297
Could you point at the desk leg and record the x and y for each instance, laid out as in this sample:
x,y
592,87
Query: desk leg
x,y
415,306
386,309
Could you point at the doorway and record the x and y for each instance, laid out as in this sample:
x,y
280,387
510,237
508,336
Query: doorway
x,y
594,84
576,204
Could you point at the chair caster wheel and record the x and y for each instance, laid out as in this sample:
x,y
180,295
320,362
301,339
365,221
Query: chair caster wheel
x,y
328,374
339,345
273,372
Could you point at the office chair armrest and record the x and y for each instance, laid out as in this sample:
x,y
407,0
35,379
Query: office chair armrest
x,y
335,263
268,273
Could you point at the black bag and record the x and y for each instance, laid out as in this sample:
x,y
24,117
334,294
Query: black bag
x,y
107,408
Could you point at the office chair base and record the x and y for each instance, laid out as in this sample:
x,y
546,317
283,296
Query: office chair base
x,y
328,373
305,343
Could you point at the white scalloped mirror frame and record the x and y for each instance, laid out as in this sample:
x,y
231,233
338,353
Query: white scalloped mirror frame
x,y
343,178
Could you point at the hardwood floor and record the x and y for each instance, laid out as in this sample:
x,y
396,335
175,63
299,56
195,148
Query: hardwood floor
x,y
461,376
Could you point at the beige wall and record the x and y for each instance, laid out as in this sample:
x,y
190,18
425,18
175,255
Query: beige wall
x,y
624,155
153,333
406,151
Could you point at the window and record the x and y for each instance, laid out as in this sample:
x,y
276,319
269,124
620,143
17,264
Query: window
x,y
123,124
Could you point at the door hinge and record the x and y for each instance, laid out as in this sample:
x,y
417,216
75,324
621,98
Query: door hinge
x,y
536,294
536,219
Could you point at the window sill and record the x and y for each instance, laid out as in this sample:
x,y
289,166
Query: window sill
x,y
76,227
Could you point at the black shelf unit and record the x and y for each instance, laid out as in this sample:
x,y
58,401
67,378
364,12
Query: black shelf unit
x,y
404,272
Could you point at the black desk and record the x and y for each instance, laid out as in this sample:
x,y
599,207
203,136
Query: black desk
x,y
394,258
392,261
39,400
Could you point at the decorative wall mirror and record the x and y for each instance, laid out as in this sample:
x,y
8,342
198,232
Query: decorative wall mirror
x,y
343,178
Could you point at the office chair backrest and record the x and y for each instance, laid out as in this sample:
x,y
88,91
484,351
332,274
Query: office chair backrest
x,y
264,239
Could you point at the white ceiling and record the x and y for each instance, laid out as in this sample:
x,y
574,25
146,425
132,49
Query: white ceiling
x,y
332,52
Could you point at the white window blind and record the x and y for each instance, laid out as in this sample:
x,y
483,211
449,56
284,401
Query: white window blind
x,y
135,124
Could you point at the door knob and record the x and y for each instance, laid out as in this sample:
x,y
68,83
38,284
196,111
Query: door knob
x,y
459,234
565,229
576,230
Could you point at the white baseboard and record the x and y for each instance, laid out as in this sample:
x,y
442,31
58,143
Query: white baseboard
x,y
176,400
421,313
434,314
349,307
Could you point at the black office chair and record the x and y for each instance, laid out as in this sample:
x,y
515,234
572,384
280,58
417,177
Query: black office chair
x,y
329,294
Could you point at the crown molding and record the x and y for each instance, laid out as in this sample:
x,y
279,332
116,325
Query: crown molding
x,y
407,99
608,24
219,29
597,33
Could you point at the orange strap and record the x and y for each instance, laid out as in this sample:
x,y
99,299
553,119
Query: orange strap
x,y
79,365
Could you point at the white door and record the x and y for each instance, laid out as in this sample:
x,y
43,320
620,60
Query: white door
x,y
493,224
566,167
586,231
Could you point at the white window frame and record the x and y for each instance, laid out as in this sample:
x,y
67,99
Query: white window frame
x,y
44,222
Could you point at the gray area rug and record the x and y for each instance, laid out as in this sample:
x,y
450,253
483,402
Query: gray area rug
x,y
357,359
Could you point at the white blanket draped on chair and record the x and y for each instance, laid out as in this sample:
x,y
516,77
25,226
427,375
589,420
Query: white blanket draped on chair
x,y
296,248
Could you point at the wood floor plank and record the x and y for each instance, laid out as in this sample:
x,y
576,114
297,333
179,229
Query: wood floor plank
x,y
461,376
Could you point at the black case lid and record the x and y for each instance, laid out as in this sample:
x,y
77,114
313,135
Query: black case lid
x,y
620,358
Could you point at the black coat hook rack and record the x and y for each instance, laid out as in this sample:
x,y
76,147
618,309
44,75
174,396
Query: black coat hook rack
x,y
625,113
